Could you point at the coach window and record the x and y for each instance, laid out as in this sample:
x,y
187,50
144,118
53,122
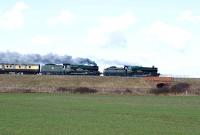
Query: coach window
x,y
29,66
19,66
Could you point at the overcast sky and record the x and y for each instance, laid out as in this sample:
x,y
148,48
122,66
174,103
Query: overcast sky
x,y
164,33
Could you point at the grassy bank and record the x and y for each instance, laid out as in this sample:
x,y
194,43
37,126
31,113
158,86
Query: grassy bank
x,y
42,114
39,83
120,85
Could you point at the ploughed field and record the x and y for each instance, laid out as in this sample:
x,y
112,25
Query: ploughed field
x,y
97,114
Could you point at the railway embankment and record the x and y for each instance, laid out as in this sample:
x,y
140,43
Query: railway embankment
x,y
96,84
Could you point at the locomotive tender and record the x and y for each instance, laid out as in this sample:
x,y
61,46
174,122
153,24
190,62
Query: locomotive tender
x,y
73,69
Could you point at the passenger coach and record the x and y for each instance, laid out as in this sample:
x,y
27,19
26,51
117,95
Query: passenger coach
x,y
20,68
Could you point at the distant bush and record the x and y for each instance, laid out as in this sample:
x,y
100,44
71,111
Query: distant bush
x,y
121,91
162,85
180,87
63,89
128,91
22,90
27,91
176,88
83,90
161,88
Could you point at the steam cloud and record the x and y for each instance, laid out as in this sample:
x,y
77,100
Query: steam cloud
x,y
17,58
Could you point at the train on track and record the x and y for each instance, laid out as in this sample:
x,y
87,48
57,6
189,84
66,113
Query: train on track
x,y
73,69
131,71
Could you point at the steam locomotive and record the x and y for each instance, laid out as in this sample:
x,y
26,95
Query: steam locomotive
x,y
69,69
73,69
132,71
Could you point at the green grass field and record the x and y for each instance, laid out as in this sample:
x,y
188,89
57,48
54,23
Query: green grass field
x,y
75,114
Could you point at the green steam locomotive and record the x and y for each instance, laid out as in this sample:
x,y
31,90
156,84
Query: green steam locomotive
x,y
74,69
131,71
69,69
